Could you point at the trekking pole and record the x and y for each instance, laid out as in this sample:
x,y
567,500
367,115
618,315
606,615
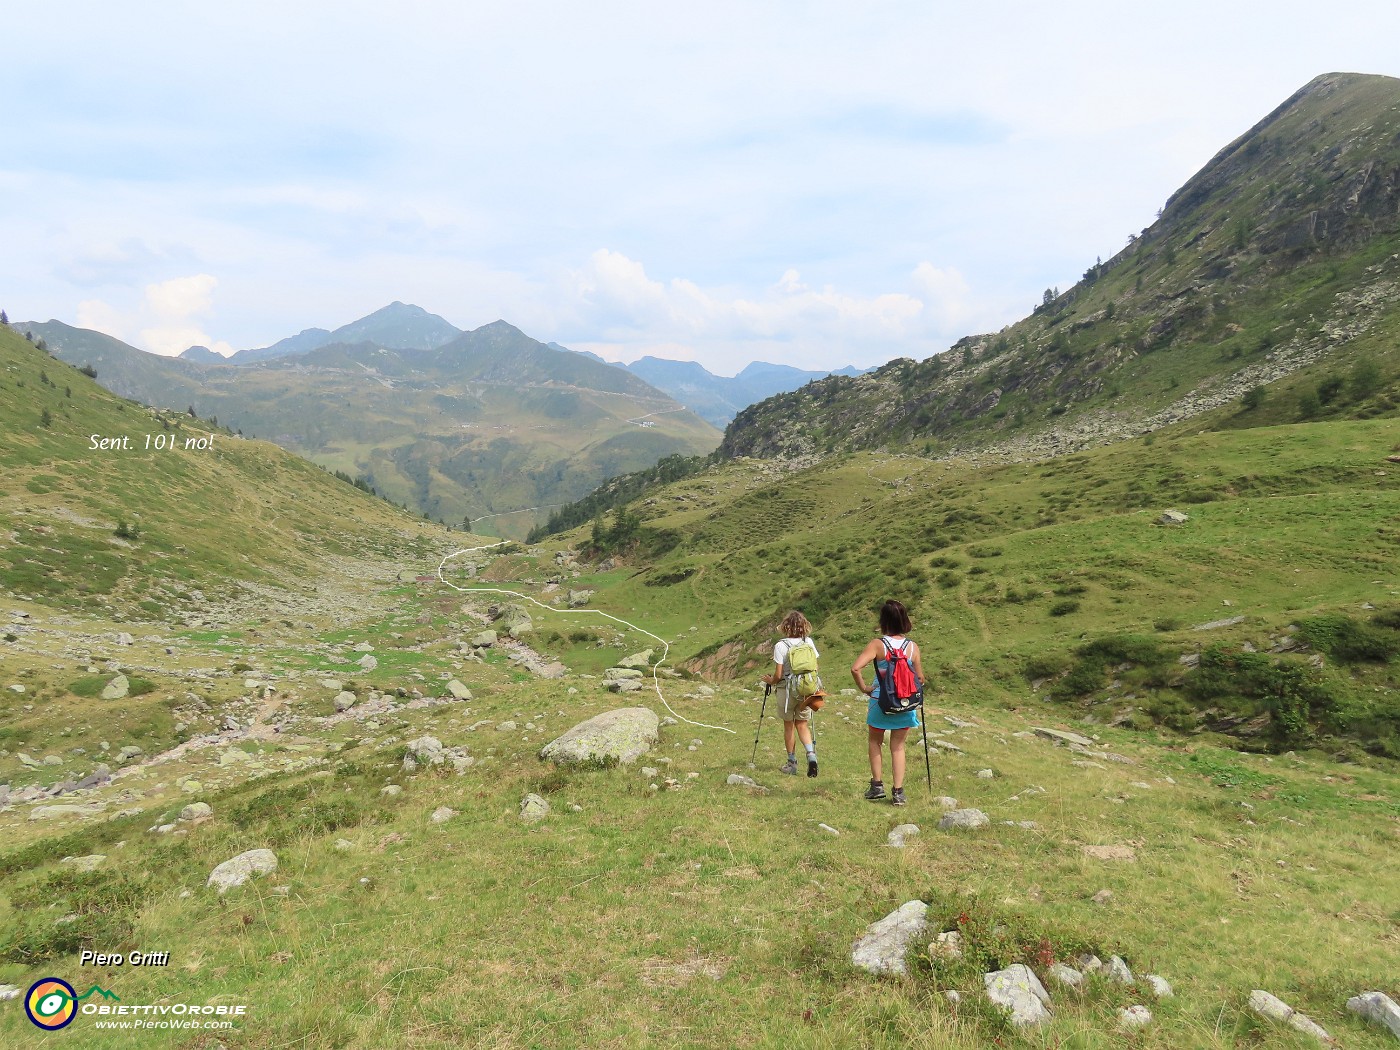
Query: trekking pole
x,y
928,766
767,687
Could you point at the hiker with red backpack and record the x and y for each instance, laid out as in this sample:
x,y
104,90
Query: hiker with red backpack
x,y
895,696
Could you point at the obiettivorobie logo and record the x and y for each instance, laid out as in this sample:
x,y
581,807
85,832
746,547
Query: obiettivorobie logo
x,y
52,1003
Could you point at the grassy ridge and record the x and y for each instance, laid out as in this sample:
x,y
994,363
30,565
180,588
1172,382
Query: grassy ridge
x,y
139,529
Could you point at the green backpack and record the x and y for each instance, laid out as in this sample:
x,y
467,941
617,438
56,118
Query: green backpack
x,y
802,662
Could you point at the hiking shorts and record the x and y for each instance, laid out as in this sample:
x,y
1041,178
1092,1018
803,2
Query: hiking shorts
x,y
791,707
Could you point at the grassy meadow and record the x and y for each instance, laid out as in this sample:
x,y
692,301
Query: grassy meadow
x,y
695,913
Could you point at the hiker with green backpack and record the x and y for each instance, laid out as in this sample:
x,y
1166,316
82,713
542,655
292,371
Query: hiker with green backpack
x,y
795,668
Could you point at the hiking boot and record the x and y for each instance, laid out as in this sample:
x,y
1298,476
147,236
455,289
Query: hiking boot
x,y
876,791
898,798
789,767
812,765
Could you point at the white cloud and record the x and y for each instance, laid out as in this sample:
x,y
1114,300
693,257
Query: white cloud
x,y
101,317
632,314
166,320
181,297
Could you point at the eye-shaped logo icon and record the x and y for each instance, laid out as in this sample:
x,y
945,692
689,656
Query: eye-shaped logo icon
x,y
51,1003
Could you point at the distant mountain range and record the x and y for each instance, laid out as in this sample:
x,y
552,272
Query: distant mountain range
x,y
489,424
402,326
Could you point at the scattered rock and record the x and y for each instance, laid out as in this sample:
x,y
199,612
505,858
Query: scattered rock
x,y
8,991
1018,990
240,869
623,685
1118,970
1131,1017
985,774
443,814
344,700
1173,517
615,673
234,756
945,802
196,811
1273,1008
369,663
1378,1008
637,660
1102,897
828,829
620,736
963,818
1158,986
947,945
89,863
1217,624
578,599
739,780
125,639
1089,963
425,751
1066,975
458,690
1061,737
884,944
901,833
391,790
533,808
117,688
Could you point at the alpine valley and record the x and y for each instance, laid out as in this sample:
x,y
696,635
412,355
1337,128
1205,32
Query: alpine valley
x,y
379,780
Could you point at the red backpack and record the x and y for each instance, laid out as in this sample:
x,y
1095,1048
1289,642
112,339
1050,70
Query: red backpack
x,y
900,688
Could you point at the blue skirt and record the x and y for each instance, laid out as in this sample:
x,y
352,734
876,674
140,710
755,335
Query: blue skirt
x,y
877,719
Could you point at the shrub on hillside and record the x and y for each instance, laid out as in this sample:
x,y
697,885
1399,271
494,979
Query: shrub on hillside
x,y
1296,696
1351,641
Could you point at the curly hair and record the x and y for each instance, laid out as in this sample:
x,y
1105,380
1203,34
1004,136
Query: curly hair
x,y
795,625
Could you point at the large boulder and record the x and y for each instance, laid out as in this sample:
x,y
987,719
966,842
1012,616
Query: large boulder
x,y
882,947
117,688
638,660
620,736
238,870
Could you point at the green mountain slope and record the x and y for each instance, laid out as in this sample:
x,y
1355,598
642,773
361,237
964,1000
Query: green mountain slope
x,y
1276,266
135,526
1015,569
490,425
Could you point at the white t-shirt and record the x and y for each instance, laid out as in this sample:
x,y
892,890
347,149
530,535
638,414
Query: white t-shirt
x,y
786,645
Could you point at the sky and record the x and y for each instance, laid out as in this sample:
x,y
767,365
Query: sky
x,y
816,184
